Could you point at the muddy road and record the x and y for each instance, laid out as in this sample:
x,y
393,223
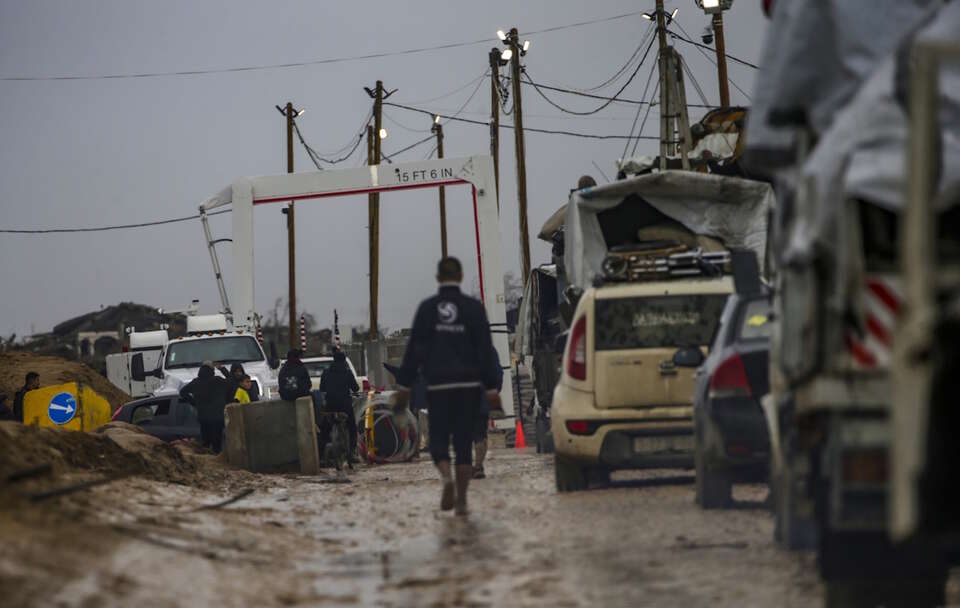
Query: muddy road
x,y
379,540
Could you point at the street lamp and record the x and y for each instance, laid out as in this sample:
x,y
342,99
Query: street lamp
x,y
383,133
716,8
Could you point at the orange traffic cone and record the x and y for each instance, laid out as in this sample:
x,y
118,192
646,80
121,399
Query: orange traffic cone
x,y
520,442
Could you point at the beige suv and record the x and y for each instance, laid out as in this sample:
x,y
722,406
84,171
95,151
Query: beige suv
x,y
624,400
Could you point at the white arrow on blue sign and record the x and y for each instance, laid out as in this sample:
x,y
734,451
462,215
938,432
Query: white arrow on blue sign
x,y
62,408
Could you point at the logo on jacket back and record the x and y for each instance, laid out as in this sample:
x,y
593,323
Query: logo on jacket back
x,y
447,314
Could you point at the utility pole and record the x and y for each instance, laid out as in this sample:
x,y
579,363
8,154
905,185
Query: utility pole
x,y
438,129
373,229
290,114
721,49
495,117
674,123
513,39
373,203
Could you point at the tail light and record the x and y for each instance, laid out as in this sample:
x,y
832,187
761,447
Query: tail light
x,y
116,413
366,385
579,427
865,466
730,379
577,350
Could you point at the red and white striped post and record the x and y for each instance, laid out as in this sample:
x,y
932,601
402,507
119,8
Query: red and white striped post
x,y
259,332
303,334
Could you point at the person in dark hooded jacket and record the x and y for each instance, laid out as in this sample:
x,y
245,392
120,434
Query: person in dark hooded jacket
x,y
234,380
294,379
339,385
208,394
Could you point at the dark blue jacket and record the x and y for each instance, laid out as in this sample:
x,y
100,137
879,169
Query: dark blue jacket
x,y
450,344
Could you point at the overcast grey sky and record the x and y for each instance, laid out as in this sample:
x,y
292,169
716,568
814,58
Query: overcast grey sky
x,y
100,152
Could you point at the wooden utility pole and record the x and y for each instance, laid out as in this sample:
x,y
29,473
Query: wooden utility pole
x,y
290,113
514,40
495,118
721,49
373,158
373,230
674,124
438,129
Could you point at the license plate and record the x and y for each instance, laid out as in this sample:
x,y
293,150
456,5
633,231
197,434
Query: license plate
x,y
671,443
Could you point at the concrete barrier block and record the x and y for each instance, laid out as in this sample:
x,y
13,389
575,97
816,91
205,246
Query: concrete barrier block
x,y
235,436
307,437
272,436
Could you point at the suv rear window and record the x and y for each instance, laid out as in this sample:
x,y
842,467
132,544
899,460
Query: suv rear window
x,y
662,321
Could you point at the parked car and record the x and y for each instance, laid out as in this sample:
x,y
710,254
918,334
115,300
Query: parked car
x,y
166,417
731,438
624,400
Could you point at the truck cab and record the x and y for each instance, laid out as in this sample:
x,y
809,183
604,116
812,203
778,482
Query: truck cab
x,y
209,339
149,345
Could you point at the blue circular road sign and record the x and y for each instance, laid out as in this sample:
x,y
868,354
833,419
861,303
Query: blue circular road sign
x,y
62,408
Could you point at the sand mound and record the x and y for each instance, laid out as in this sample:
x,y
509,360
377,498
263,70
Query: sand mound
x,y
54,370
116,449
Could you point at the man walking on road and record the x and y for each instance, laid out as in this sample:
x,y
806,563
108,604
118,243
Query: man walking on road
x,y
450,345
208,394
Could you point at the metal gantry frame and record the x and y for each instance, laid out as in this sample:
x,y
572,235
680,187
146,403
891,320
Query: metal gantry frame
x,y
477,172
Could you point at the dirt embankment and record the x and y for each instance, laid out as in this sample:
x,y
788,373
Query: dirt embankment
x,y
114,450
54,370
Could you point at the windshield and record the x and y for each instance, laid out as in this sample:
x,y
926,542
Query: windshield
x,y
664,321
228,349
316,368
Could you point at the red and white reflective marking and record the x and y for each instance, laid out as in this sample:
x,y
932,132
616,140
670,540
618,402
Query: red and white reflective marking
x,y
882,301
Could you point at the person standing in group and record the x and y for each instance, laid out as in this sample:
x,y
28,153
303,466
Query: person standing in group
x,y
450,345
208,394
483,421
242,393
31,382
339,385
294,379
235,380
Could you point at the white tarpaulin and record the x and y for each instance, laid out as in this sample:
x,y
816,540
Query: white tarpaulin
x,y
817,54
862,156
731,209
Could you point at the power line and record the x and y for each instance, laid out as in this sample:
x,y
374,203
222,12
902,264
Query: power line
x,y
604,104
454,91
651,29
593,96
709,48
693,79
503,126
469,99
316,158
297,64
646,87
389,157
403,126
653,95
708,57
106,228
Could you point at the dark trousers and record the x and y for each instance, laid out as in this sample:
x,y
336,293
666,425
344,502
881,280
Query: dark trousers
x,y
453,415
211,434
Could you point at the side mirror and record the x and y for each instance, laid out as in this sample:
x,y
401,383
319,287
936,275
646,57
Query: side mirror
x,y
688,356
136,368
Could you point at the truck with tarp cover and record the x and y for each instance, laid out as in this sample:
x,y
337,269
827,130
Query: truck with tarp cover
x,y
647,264
829,127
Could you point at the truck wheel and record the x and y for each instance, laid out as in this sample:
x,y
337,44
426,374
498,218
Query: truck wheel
x,y
887,593
714,489
570,477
